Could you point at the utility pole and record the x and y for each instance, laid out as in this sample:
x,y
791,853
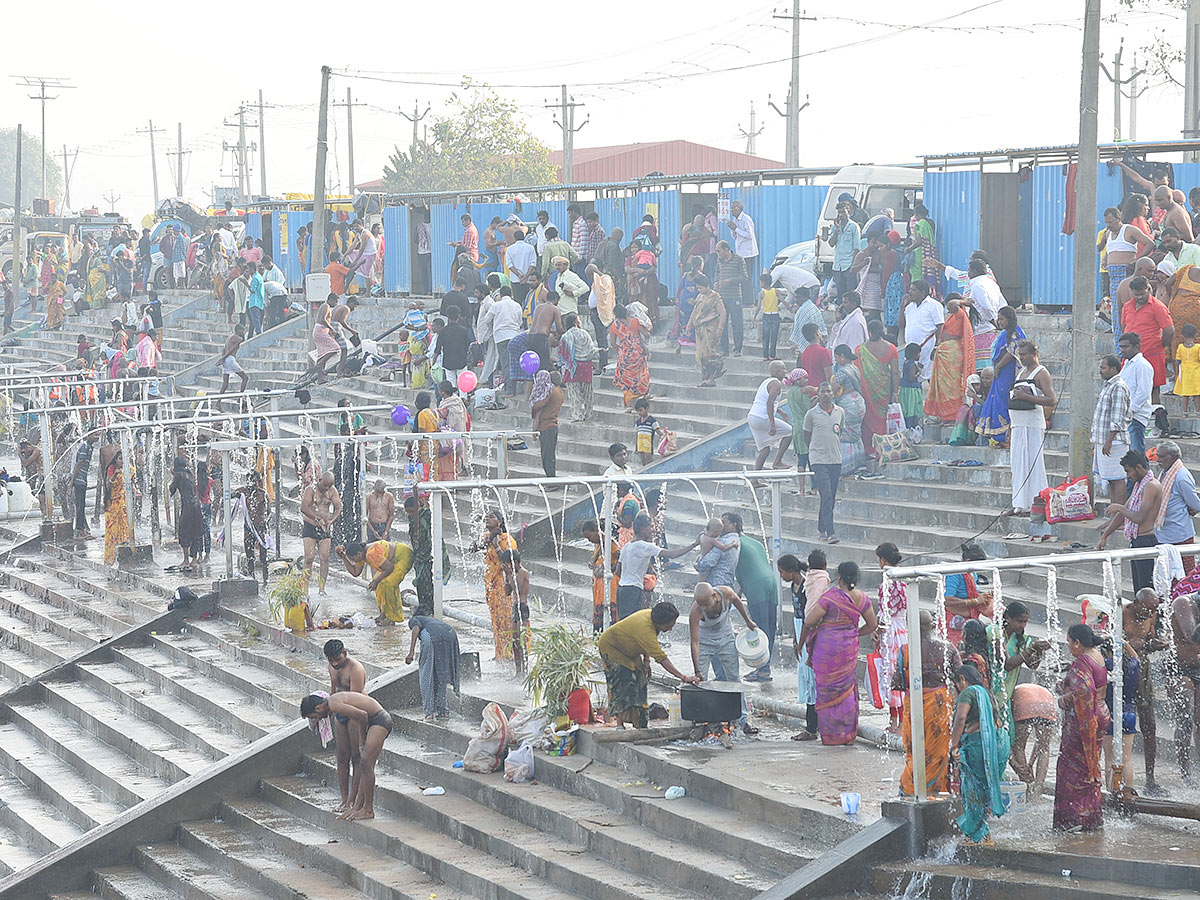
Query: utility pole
x,y
414,118
18,246
1117,82
262,146
350,104
566,109
751,134
1134,93
1191,77
1083,303
792,144
68,168
111,199
179,154
41,83
316,255
240,152
153,158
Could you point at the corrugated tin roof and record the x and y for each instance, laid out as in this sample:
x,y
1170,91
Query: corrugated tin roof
x,y
625,161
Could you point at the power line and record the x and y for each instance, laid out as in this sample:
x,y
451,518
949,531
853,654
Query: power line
x,y
41,83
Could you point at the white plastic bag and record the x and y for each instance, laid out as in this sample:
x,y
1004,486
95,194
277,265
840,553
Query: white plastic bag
x,y
483,752
526,725
519,765
895,418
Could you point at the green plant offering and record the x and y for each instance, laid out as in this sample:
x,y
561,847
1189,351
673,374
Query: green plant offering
x,y
562,659
290,591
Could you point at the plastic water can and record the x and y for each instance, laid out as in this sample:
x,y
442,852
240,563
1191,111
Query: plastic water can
x,y
850,803
674,714
754,648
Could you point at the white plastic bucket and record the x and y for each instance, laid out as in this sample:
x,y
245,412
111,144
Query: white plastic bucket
x,y
753,648
1014,793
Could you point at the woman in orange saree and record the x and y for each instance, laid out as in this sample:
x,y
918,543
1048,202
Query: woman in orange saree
x,y
1181,294
878,361
952,364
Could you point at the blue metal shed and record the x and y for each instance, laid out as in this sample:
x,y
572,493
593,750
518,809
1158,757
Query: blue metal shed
x,y
397,250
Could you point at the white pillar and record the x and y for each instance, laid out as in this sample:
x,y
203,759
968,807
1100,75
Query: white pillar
x,y
127,465
916,689
47,462
226,474
435,537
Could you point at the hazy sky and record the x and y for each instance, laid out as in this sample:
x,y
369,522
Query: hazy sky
x,y
922,77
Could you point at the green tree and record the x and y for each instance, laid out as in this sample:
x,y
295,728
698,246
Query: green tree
x,y
31,168
480,143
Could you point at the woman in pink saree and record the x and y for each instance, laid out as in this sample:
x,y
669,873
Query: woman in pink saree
x,y
1078,781
832,626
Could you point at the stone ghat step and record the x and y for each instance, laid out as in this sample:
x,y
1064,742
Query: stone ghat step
x,y
487,846
578,783
29,649
14,853
952,881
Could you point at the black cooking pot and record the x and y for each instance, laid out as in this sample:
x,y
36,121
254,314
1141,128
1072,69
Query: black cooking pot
x,y
711,701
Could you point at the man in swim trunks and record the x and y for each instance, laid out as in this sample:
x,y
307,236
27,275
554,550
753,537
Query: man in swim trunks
x,y
1143,633
390,562
320,506
345,674
381,510
376,725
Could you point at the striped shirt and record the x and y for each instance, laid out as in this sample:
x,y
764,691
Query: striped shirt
x,y
1113,412
579,236
805,313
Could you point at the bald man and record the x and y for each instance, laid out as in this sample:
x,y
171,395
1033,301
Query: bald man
x,y
1175,215
712,630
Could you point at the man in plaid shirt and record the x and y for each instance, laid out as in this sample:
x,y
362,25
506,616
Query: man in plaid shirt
x,y
579,236
1110,427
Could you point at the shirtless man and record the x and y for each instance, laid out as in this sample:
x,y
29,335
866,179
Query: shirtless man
x,y
1141,626
321,506
1144,267
228,363
365,713
345,674
1185,617
546,316
1176,216
341,321
381,509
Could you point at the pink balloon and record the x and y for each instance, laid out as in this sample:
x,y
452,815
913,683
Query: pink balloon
x,y
467,382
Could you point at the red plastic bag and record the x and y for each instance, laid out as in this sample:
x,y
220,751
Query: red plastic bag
x,y
579,706
1070,501
875,683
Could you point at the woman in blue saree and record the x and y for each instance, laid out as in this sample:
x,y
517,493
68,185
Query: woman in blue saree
x,y
980,745
993,420
684,303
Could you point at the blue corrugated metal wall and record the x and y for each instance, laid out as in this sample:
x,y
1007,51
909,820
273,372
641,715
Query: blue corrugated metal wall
x,y
254,226
445,226
783,214
1025,233
953,201
289,260
397,250
1052,275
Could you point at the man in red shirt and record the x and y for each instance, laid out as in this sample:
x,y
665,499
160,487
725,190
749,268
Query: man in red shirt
x,y
815,359
337,273
1147,316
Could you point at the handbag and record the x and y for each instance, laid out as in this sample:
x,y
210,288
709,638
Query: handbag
x,y
667,445
891,448
1019,401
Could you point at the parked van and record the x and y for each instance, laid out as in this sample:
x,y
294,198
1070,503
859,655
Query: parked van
x,y
36,242
874,188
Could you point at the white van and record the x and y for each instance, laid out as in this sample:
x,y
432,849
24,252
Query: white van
x,y
874,188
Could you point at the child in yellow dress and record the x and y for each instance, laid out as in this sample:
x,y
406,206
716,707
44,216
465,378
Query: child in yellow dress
x,y
1187,374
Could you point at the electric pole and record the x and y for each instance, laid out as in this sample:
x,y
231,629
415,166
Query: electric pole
x,y
751,134
792,144
415,119
153,158
566,109
1117,82
179,154
262,146
316,255
18,246
68,168
1191,77
1083,304
350,104
111,199
41,84
240,152
1134,93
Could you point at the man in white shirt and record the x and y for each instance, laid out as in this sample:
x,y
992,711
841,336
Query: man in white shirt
x,y
985,295
228,241
539,230
793,278
570,287
921,319
521,260
745,245
270,271
505,321
483,334
852,330
634,563
618,455
1138,375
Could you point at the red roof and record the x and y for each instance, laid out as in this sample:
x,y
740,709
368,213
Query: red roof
x,y
625,162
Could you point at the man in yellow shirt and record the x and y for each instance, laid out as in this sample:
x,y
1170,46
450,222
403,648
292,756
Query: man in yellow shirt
x,y
626,649
390,562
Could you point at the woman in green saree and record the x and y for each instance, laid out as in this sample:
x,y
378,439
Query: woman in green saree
x,y
879,363
980,744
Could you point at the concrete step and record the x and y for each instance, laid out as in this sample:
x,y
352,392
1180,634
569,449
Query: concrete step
x,y
14,854
949,881
124,883
489,848
29,650
37,826
176,869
